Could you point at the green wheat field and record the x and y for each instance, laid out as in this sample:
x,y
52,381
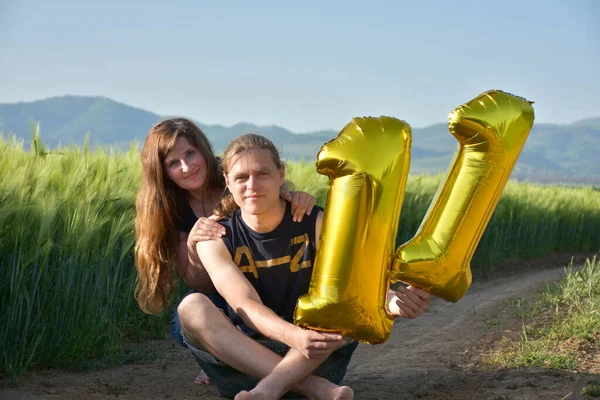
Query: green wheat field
x,y
67,235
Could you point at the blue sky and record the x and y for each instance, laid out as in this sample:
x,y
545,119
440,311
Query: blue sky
x,y
305,65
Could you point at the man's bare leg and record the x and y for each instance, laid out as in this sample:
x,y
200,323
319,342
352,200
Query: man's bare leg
x,y
292,369
206,327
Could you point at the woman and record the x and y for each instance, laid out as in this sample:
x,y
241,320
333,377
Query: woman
x,y
181,184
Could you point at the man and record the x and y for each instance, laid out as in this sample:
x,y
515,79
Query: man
x,y
260,267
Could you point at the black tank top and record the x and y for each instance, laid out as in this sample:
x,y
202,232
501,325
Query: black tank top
x,y
185,218
278,263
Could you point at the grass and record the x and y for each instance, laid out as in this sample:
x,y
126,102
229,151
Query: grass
x,y
560,327
592,390
66,241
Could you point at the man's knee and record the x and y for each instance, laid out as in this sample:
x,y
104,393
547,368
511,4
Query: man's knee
x,y
197,313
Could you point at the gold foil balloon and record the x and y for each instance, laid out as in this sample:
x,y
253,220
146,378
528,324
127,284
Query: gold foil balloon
x,y
368,166
491,131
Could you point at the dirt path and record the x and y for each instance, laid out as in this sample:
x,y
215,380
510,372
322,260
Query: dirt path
x,y
426,358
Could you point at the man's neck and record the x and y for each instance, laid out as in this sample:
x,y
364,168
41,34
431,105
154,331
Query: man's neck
x,y
268,221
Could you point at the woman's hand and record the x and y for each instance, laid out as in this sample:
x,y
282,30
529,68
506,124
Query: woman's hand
x,y
203,230
302,203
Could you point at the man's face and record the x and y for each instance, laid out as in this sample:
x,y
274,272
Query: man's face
x,y
254,180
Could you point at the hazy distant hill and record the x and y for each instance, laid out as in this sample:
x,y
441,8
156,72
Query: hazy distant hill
x,y
67,119
552,152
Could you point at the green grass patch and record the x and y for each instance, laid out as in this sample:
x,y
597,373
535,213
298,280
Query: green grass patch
x,y
560,327
591,390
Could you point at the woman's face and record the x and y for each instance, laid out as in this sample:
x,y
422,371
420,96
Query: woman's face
x,y
185,165
254,181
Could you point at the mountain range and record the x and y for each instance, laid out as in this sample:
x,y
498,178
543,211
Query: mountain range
x,y
566,153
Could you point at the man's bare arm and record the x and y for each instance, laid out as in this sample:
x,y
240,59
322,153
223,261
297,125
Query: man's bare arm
x,y
239,293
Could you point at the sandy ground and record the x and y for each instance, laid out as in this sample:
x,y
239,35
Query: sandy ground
x,y
431,357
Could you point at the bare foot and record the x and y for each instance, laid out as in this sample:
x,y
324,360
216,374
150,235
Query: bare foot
x,y
202,378
343,393
243,395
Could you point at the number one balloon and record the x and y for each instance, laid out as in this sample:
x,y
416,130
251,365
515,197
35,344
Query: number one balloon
x,y
491,131
368,165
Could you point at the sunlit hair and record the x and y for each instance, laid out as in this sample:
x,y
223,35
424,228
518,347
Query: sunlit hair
x,y
233,151
158,202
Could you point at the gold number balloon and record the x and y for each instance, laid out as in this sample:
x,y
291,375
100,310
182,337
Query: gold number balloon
x,y
367,165
491,131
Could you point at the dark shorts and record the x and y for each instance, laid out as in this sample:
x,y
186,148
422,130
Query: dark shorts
x,y
230,381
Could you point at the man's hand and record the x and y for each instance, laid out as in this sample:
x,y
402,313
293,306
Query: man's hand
x,y
408,302
316,345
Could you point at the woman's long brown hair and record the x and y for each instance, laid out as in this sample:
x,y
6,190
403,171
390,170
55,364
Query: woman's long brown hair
x,y
158,204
